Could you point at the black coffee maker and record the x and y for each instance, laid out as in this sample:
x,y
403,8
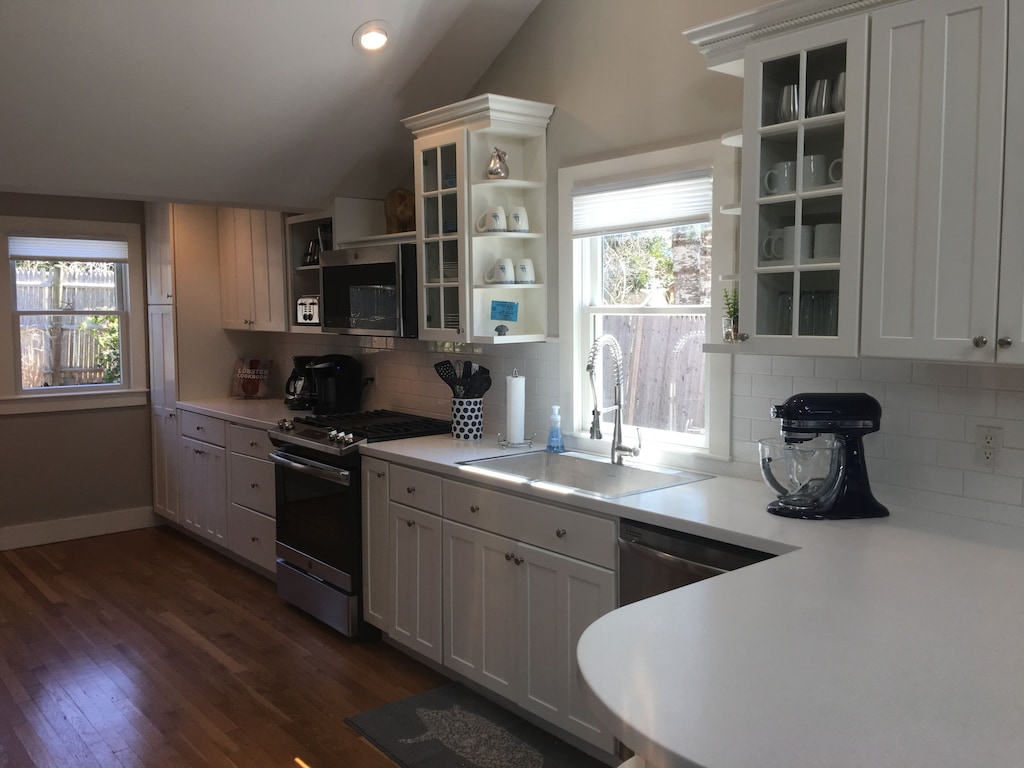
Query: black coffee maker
x,y
300,389
339,384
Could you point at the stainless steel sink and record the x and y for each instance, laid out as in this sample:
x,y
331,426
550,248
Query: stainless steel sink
x,y
580,473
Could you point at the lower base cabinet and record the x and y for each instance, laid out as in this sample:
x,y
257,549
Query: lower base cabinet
x,y
415,615
513,615
252,535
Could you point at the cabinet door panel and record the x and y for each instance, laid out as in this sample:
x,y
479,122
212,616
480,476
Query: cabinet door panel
x,y
376,570
415,618
1011,262
480,598
934,179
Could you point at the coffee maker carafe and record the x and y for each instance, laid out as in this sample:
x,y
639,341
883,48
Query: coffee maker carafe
x,y
817,466
300,389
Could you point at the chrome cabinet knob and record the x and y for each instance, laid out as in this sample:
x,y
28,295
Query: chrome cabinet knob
x,y
255,539
253,443
979,341
742,336
518,561
380,474
254,485
474,508
560,532
410,523
1004,342
411,489
509,556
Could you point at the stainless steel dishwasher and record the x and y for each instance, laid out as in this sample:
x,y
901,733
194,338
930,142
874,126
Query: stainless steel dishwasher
x,y
653,559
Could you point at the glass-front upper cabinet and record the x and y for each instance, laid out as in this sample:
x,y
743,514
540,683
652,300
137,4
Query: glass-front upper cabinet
x,y
802,190
441,211
481,180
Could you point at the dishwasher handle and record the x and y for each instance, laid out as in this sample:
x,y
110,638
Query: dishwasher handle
x,y
701,570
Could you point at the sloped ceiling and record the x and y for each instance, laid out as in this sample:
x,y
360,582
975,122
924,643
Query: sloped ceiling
x,y
261,103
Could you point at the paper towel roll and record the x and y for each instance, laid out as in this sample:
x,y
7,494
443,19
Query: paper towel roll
x,y
515,406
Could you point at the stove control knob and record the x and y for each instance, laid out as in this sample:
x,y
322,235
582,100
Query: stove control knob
x,y
349,438
334,436
285,424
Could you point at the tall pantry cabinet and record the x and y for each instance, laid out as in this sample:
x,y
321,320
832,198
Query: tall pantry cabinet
x,y
163,379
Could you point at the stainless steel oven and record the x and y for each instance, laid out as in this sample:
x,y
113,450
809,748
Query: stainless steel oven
x,y
319,566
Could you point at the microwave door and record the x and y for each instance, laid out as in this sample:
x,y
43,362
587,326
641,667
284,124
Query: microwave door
x,y
374,307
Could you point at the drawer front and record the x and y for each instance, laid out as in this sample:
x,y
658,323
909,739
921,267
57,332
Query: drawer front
x,y
249,441
574,534
205,428
415,489
252,536
252,483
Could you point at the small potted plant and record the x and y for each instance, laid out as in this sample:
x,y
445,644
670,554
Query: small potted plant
x,y
731,320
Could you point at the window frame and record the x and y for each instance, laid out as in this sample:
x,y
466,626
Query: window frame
x,y
132,391
575,315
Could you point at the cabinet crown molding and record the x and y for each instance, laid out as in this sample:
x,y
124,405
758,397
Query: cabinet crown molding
x,y
482,109
723,42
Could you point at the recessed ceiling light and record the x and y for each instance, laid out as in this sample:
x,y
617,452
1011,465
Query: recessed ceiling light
x,y
371,36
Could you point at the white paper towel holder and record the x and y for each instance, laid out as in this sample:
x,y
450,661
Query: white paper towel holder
x,y
527,442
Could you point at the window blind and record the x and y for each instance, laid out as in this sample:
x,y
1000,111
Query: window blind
x,y
66,248
609,209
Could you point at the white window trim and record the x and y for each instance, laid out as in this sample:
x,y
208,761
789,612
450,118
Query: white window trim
x,y
573,392
132,391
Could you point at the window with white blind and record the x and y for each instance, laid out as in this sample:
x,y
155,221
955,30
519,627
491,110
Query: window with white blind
x,y
637,275
71,296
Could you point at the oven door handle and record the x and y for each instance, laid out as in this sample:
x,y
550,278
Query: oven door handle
x,y
323,471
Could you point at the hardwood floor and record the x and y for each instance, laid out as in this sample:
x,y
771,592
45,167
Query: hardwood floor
x,y
147,649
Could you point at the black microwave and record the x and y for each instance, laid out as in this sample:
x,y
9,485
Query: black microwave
x,y
370,290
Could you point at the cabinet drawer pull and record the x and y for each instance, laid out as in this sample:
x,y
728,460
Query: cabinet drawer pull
x,y
474,508
1004,342
254,485
253,443
199,428
410,523
255,539
518,561
411,489
198,451
509,556
560,532
380,474
979,341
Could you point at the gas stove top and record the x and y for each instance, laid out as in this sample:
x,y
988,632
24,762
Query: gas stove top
x,y
342,433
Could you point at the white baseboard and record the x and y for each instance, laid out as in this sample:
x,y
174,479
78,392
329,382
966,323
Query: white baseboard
x,y
81,527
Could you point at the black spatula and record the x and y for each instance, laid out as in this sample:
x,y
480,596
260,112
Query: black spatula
x,y
446,371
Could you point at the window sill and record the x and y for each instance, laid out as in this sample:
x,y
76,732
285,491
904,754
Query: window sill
x,y
67,401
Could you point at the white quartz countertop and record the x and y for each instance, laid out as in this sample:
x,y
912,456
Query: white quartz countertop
x,y
888,642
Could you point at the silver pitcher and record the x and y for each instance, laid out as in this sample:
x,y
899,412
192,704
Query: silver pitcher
x,y
498,168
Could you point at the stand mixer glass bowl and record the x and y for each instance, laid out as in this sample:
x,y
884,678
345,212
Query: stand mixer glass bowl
x,y
806,475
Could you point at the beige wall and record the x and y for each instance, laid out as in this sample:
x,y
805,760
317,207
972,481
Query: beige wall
x,y
623,79
56,465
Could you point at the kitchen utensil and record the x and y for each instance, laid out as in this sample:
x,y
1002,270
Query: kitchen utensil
x,y
789,104
820,102
446,371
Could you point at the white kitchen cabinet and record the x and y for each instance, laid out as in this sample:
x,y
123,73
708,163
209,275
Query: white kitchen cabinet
x,y
251,525
514,609
800,242
934,204
202,469
376,568
159,253
414,553
164,425
459,299
252,269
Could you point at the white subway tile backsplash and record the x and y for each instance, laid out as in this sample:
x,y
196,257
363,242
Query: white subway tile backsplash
x,y
805,384
950,453
990,487
888,471
778,388
995,377
1010,405
886,370
917,396
942,426
741,384
837,368
792,366
752,407
936,479
874,388
969,402
752,364
944,374
919,450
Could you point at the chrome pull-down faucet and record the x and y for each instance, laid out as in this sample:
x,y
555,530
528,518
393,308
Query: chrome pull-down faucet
x,y
619,449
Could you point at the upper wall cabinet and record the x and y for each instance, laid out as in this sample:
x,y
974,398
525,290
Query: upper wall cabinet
x,y
933,276
252,269
803,145
159,254
481,239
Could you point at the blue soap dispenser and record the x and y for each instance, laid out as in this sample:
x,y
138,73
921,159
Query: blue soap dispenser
x,y
555,444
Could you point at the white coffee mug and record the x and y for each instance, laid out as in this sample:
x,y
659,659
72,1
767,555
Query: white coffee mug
x,y
771,247
517,220
789,242
492,220
781,179
501,272
835,171
524,271
815,171
827,241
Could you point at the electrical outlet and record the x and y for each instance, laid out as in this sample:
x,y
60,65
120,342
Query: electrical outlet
x,y
988,444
